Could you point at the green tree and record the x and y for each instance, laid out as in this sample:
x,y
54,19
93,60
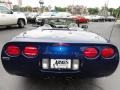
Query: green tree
x,y
111,10
28,8
116,12
60,9
46,9
16,8
93,10
22,9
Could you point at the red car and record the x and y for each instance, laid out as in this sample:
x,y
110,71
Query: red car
x,y
81,19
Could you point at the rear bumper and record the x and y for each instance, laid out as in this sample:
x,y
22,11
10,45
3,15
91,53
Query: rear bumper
x,y
86,69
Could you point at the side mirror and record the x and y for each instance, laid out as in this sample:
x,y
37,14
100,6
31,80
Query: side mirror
x,y
10,12
84,27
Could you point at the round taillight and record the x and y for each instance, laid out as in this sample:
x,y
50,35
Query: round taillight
x,y
30,51
13,50
91,52
108,52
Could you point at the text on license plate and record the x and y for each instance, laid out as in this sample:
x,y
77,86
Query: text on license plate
x,y
60,64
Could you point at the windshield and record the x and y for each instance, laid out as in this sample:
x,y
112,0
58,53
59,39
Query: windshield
x,y
60,21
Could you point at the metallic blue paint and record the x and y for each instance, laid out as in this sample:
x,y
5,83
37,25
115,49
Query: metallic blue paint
x,y
23,66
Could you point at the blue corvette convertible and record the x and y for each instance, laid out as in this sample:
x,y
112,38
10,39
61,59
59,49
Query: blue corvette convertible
x,y
59,48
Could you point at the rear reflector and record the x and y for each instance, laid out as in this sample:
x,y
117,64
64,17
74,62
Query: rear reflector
x,y
45,63
108,52
91,52
13,50
30,51
75,65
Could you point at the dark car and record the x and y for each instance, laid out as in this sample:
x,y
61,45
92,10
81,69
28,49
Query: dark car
x,y
110,19
31,17
60,49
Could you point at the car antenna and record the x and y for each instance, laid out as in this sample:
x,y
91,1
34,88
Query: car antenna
x,y
109,40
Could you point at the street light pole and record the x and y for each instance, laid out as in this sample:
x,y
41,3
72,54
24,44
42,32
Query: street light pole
x,y
73,7
107,6
107,2
41,2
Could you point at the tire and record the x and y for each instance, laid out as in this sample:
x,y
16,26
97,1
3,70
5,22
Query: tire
x,y
21,23
8,27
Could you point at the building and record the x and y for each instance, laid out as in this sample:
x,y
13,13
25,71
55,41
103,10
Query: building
x,y
104,11
78,9
6,3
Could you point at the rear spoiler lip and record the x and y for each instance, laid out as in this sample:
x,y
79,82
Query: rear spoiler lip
x,y
70,44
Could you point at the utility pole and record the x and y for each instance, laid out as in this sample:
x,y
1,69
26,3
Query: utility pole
x,y
107,7
107,2
41,2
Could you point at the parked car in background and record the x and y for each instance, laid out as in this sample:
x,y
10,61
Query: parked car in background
x,y
43,15
89,17
51,15
110,19
31,17
81,19
8,18
26,14
97,18
63,14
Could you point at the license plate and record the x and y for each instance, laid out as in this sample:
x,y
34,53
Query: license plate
x,y
60,64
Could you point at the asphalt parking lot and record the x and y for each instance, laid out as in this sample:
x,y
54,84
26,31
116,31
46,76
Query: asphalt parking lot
x,y
11,82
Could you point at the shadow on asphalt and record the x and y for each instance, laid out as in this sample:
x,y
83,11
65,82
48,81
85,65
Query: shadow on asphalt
x,y
27,27
62,84
8,28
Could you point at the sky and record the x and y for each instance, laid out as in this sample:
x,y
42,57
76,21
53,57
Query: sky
x,y
64,3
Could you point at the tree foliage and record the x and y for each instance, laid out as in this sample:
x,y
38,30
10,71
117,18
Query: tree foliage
x,y
28,8
60,9
93,10
16,8
114,12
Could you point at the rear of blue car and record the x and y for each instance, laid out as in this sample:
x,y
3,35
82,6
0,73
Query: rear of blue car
x,y
59,59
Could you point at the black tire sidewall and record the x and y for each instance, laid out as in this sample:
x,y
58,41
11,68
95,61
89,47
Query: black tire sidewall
x,y
21,23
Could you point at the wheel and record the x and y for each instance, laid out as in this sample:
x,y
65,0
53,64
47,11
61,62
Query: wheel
x,y
21,23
